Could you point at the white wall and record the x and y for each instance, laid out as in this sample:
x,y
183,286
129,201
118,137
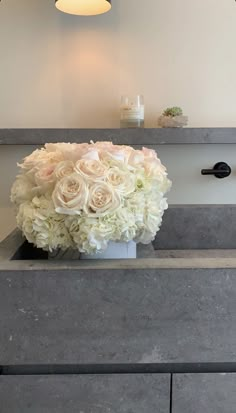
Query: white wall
x,y
59,70
69,71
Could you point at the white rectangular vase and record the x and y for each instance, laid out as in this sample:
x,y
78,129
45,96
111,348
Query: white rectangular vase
x,y
115,250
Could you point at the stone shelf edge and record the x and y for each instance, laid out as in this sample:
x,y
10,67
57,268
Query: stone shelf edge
x,y
157,136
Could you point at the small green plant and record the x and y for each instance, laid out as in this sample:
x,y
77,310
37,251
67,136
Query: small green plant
x,y
172,112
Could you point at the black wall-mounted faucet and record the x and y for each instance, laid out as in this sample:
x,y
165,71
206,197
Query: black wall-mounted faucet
x,y
220,170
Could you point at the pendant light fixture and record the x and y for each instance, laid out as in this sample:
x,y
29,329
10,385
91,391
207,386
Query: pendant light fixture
x,y
83,7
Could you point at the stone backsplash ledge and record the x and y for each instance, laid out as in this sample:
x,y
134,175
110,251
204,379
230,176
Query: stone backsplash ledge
x,y
132,136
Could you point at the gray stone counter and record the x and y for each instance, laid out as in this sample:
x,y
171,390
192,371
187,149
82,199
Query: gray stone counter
x,y
85,394
118,316
123,336
167,308
197,393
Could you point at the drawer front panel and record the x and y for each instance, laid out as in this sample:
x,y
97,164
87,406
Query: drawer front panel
x,y
117,316
211,393
85,394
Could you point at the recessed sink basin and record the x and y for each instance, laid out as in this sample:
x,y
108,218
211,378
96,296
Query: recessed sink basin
x,y
17,255
191,236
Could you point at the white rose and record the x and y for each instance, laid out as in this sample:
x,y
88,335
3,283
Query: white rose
x,y
31,160
154,168
70,195
91,169
81,149
123,181
62,147
53,158
41,157
149,153
103,146
102,199
121,152
91,154
64,168
115,155
45,177
136,159
71,151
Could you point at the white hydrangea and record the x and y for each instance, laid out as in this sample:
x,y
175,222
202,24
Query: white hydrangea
x,y
22,190
42,226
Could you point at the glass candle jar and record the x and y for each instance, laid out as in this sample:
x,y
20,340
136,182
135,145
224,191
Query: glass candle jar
x,y
132,112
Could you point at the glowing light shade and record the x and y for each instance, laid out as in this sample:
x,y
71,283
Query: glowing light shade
x,y
83,7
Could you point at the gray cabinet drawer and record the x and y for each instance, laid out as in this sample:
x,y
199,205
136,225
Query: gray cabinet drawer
x,y
198,393
117,316
85,394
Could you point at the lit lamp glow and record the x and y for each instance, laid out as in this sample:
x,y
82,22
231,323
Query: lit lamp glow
x,y
83,7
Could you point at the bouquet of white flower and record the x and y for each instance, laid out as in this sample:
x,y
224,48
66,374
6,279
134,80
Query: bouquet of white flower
x,y
82,196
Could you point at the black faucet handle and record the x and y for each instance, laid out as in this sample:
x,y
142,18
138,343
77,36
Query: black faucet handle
x,y
220,170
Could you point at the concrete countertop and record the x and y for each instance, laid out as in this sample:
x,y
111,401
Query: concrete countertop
x,y
148,258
